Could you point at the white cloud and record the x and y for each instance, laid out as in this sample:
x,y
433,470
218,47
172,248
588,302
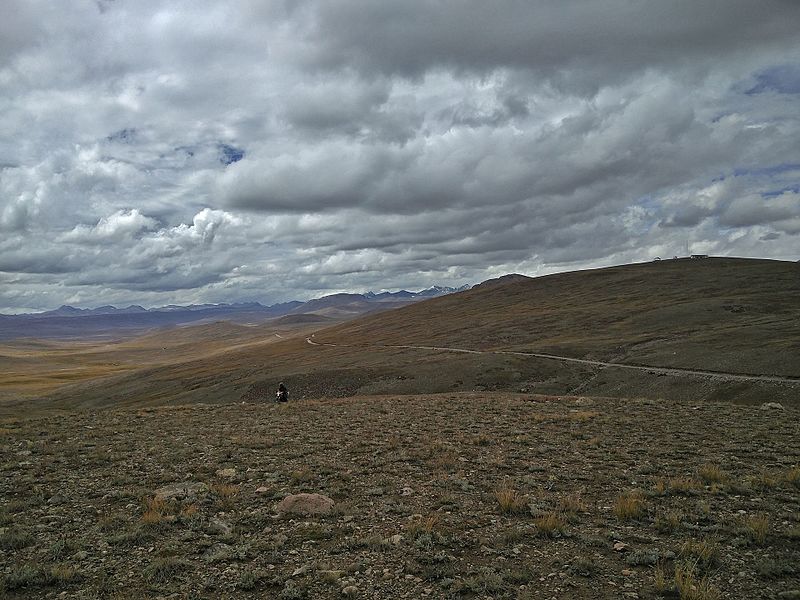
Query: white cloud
x,y
114,228
273,150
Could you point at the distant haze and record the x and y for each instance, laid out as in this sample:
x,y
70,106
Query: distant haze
x,y
156,152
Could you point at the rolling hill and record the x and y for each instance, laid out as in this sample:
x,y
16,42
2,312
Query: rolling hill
x,y
718,314
721,314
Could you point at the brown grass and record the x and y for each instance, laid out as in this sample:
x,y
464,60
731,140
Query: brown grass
x,y
550,524
629,506
756,527
711,473
510,500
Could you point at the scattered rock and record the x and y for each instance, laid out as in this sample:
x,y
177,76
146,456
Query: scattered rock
x,y
181,491
350,590
217,552
620,546
56,500
642,557
301,571
305,504
262,490
772,406
218,527
406,491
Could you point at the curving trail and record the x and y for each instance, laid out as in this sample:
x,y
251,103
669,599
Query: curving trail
x,y
675,371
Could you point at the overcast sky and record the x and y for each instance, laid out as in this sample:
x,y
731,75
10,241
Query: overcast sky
x,y
157,152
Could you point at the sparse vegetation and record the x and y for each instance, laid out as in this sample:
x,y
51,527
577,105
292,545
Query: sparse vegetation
x,y
711,473
629,506
668,521
510,500
413,525
683,485
15,538
704,554
162,570
792,476
691,586
550,525
756,528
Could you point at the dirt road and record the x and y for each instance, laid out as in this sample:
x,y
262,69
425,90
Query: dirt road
x,y
674,371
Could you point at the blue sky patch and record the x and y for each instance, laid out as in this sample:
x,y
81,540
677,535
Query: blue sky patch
x,y
783,79
229,154
766,171
775,193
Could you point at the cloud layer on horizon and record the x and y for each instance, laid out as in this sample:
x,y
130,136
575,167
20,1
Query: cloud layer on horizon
x,y
155,152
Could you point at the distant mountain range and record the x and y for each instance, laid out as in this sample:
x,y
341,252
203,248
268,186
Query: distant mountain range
x,y
69,322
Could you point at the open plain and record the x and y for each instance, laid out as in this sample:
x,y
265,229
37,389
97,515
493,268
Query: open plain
x,y
468,495
620,433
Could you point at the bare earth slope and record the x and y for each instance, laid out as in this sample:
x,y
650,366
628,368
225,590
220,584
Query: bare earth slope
x,y
447,496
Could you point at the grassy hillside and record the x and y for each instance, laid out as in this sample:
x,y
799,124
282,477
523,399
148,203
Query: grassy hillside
x,y
718,314
730,315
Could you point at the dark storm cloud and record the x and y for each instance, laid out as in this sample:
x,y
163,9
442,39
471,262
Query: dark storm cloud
x,y
597,40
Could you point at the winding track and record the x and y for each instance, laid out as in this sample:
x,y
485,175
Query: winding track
x,y
678,372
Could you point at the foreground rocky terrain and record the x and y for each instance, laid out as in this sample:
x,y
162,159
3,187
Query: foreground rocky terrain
x,y
442,496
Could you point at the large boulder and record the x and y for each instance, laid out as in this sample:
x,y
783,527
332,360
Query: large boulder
x,y
305,504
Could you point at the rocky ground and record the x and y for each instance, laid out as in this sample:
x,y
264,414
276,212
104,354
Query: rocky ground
x,y
444,496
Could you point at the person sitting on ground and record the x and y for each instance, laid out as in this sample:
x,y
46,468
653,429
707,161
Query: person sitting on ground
x,y
282,395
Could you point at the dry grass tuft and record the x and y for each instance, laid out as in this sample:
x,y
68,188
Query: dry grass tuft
x,y
711,473
510,500
550,524
225,493
164,569
690,587
792,477
419,525
155,511
669,521
704,553
683,485
629,506
572,504
756,528
764,481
